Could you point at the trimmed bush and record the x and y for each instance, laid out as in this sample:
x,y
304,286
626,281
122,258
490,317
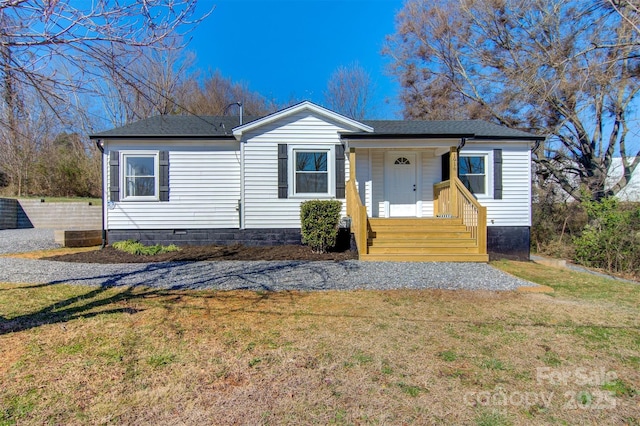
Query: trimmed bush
x,y
319,220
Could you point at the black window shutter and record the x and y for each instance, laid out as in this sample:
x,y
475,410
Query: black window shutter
x,y
340,185
497,174
283,179
164,175
114,176
445,166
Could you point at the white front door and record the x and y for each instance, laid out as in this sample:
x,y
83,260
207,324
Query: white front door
x,y
401,183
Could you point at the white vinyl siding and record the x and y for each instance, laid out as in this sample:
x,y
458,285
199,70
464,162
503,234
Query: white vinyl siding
x,y
204,188
431,174
363,178
377,178
262,207
514,209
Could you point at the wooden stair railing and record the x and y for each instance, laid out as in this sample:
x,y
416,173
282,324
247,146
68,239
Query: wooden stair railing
x,y
452,199
358,214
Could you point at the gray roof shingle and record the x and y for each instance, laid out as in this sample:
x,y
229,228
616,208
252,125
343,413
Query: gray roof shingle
x,y
188,127
176,126
454,128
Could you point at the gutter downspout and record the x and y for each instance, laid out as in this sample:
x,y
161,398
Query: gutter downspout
x,y
100,146
241,224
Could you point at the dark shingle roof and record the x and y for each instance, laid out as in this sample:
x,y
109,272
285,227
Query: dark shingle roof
x,y
189,127
176,126
443,128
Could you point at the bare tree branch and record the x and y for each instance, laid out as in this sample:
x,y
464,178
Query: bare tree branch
x,y
349,91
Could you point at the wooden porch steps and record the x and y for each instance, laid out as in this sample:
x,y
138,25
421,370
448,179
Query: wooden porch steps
x,y
421,240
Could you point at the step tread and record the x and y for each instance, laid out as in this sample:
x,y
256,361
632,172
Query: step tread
x,y
425,257
422,250
420,235
467,242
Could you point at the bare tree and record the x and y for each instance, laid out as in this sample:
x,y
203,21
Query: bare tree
x,y
54,52
30,123
56,47
349,91
153,84
565,68
215,93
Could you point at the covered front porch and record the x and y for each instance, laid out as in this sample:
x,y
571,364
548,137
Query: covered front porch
x,y
408,204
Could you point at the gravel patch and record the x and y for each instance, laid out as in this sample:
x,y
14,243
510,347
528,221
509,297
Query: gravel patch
x,y
245,275
23,240
265,276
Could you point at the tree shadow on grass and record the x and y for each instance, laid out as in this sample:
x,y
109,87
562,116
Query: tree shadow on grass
x,y
86,305
165,279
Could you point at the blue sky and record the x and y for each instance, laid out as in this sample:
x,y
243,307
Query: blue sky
x,y
287,49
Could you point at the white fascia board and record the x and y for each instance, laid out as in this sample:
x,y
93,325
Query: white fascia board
x,y
177,142
489,141
400,143
303,106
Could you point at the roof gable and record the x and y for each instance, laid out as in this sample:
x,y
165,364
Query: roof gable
x,y
305,106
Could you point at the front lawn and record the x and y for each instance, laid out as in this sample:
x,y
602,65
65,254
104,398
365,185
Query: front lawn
x,y
77,355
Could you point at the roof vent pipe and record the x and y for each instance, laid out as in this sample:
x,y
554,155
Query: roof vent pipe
x,y
239,104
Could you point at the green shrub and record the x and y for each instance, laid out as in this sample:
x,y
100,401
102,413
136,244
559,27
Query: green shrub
x,y
320,220
135,247
611,239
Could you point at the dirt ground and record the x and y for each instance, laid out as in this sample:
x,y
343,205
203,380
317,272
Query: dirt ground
x,y
210,253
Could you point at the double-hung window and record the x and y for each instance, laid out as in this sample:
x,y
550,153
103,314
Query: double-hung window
x,y
313,169
140,176
472,171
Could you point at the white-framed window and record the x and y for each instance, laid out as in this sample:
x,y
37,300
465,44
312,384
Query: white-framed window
x,y
312,171
473,171
139,176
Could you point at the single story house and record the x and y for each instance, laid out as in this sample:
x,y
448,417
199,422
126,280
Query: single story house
x,y
411,190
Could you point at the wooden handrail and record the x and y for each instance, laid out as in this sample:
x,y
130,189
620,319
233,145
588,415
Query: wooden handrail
x,y
358,214
453,199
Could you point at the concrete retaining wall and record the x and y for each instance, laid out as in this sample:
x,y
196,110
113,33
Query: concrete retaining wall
x,y
8,213
36,214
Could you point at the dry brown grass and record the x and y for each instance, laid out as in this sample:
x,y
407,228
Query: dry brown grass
x,y
73,355
40,254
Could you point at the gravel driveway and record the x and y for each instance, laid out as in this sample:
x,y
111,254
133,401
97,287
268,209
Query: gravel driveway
x,y
256,275
22,240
